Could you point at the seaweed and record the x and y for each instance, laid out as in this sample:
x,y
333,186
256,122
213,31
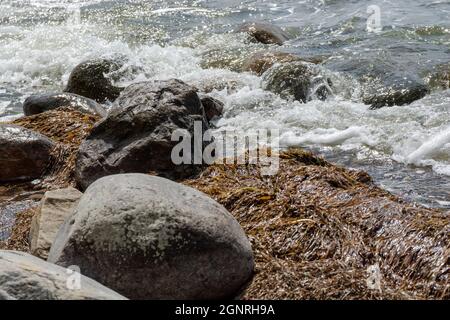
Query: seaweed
x,y
320,232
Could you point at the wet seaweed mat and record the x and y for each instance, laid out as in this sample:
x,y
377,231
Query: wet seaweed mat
x,y
323,232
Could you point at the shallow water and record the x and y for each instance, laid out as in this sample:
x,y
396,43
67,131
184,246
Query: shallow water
x,y
406,149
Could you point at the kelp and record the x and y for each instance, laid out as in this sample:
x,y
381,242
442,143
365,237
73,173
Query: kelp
x,y
19,239
320,231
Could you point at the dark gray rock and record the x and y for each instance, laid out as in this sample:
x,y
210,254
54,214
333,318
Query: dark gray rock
x,y
150,238
36,104
299,80
24,153
136,134
264,32
24,277
383,82
399,94
89,79
213,107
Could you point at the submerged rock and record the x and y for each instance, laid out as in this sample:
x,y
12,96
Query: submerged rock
x,y
260,62
136,136
213,107
224,58
55,207
36,104
383,82
440,78
264,32
89,79
150,238
24,277
24,154
395,95
299,80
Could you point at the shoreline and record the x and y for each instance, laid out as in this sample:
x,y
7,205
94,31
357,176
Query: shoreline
x,y
99,182
315,227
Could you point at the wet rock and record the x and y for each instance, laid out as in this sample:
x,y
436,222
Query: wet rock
x,y
299,80
439,79
36,104
383,82
90,79
24,153
150,238
213,107
24,277
264,32
54,208
223,58
394,95
136,134
260,62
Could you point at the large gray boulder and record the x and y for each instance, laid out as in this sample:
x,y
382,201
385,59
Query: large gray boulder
x,y
150,238
55,207
264,32
24,154
136,136
92,79
39,103
25,277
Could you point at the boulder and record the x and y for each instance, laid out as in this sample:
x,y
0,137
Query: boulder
x,y
90,79
24,154
302,81
264,32
213,107
150,238
25,277
54,208
36,104
136,136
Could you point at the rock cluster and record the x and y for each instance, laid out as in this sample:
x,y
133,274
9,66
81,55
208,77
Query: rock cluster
x,y
137,231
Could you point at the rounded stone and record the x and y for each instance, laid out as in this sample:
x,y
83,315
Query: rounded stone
x,y
150,238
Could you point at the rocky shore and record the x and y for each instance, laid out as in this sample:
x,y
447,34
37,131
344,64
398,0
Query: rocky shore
x,y
86,175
